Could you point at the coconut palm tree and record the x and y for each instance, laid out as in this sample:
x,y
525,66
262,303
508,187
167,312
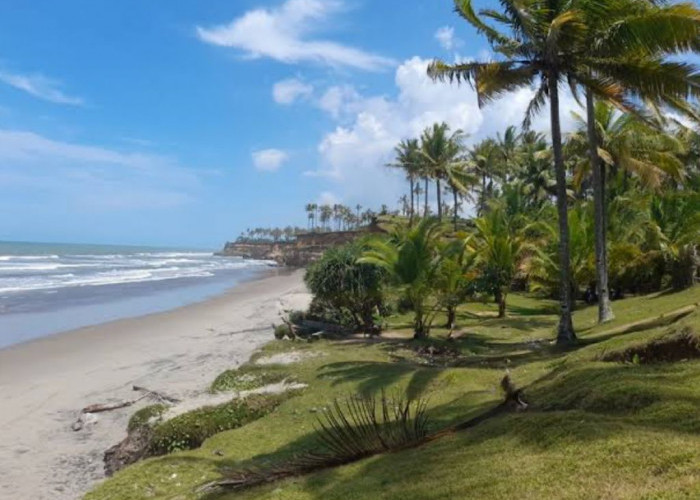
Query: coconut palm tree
x,y
441,151
544,43
411,256
675,221
500,248
633,36
408,158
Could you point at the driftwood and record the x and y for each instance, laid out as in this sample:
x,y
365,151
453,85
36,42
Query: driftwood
x,y
83,418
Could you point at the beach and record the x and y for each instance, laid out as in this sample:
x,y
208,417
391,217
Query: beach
x,y
46,382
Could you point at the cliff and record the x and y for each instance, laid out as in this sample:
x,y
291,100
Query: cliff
x,y
299,253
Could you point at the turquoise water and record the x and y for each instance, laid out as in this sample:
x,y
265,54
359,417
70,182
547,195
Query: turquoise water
x,y
47,288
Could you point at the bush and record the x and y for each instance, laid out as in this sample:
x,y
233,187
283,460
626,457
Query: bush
x,y
345,289
190,430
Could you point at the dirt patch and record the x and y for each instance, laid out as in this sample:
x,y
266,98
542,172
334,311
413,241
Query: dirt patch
x,y
438,355
285,358
680,347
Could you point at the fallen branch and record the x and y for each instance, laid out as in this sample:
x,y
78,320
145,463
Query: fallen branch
x,y
102,408
163,398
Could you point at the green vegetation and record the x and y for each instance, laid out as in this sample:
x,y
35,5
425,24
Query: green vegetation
x,y
146,416
247,378
562,222
632,428
191,429
342,287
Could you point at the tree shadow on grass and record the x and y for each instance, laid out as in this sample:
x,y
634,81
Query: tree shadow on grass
x,y
374,376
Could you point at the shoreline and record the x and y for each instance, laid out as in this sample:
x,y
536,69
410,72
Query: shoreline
x,y
45,382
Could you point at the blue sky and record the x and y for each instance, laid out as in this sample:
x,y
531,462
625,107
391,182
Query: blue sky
x,y
183,122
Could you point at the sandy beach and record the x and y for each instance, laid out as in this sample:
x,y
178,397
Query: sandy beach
x,y
45,383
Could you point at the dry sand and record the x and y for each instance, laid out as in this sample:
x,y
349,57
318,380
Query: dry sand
x,y
45,383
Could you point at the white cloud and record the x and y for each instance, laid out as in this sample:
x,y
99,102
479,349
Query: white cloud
x,y
339,100
288,91
91,177
352,157
283,34
269,160
446,37
39,86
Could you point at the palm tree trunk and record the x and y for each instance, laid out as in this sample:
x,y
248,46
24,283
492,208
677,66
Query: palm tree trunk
x,y
425,211
565,330
456,207
411,215
439,199
605,312
482,209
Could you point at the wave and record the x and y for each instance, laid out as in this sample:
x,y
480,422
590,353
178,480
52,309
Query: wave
x,y
69,271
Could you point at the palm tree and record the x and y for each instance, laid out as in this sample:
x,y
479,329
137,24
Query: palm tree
x,y
675,221
408,158
482,158
326,213
441,151
632,36
411,256
500,249
545,43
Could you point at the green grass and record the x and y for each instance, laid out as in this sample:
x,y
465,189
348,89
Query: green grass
x,y
594,429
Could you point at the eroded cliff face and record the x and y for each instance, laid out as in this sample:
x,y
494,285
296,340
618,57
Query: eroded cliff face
x,y
299,253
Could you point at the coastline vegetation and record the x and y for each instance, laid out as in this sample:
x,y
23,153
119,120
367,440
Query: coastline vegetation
x,y
567,229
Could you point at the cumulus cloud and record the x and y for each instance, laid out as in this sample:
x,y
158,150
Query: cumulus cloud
x,y
288,91
41,87
91,177
446,37
269,160
353,155
285,34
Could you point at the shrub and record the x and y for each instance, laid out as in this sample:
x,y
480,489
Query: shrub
x,y
344,288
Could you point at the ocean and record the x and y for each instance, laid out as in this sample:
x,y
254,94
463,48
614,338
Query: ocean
x,y
49,288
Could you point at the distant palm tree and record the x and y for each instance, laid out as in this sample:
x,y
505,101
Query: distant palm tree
x,y
441,151
409,159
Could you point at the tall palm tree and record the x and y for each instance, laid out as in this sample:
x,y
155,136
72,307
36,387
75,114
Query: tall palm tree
x,y
544,44
409,158
483,159
441,151
633,36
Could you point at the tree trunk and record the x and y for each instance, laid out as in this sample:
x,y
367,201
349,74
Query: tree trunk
x,y
456,207
482,209
411,215
605,312
451,316
565,330
439,199
425,211
500,299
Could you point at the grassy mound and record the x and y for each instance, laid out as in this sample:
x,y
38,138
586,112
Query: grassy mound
x,y
247,378
594,428
190,430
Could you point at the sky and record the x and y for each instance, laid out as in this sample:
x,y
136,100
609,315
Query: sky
x,y
184,122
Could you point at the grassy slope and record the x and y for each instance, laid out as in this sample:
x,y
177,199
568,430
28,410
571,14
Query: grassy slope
x,y
594,429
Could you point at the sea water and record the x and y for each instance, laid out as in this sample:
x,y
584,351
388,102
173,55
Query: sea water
x,y
49,288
